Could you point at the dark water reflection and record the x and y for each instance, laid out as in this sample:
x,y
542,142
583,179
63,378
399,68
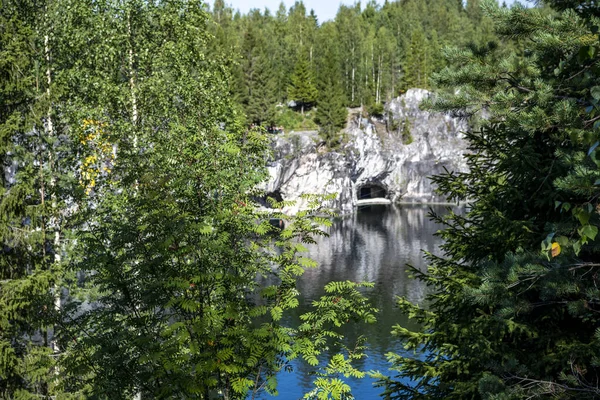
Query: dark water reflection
x,y
373,245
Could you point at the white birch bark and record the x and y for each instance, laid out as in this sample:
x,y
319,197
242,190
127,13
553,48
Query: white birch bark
x,y
353,73
54,220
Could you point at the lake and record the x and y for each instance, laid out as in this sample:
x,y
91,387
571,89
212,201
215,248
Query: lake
x,y
374,245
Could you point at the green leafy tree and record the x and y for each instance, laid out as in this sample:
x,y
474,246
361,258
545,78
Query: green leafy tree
x,y
301,31
278,51
25,265
37,188
350,33
172,251
375,43
514,309
302,88
262,93
385,53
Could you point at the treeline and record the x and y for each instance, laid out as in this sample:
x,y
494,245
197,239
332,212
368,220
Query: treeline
x,y
367,55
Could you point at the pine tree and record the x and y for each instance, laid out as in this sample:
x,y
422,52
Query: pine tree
x,y
514,311
302,87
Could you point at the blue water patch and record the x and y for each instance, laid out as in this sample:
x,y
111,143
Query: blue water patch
x,y
374,245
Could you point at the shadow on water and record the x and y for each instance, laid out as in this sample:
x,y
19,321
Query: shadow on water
x,y
373,245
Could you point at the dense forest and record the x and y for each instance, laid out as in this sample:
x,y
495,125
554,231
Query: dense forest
x,y
136,264
367,55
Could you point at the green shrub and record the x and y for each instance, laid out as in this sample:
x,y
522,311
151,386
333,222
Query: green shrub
x,y
294,121
376,110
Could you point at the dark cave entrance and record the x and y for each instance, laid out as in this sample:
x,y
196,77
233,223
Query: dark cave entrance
x,y
275,195
371,191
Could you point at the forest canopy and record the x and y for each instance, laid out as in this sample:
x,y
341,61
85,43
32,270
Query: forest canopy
x,y
367,55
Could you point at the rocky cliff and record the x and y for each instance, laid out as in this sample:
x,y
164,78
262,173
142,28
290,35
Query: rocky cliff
x,y
388,159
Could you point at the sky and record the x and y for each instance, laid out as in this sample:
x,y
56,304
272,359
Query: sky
x,y
325,9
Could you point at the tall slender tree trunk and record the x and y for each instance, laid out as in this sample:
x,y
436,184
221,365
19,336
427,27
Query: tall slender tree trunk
x,y
132,83
51,134
54,221
372,65
378,91
353,73
346,76
134,112
395,74
366,72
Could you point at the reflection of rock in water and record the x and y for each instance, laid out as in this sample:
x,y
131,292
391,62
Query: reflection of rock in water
x,y
375,245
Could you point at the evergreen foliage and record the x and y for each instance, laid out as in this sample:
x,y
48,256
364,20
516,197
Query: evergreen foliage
x,y
418,61
35,157
133,260
331,114
381,50
258,79
302,87
514,310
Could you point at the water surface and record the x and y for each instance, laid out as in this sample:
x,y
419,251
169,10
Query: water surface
x,y
374,245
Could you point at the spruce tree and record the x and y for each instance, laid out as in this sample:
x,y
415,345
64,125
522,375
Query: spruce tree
x,y
331,114
302,88
417,66
23,265
258,83
260,109
515,306
278,52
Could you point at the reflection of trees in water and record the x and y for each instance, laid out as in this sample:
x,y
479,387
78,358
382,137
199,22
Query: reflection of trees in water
x,y
373,245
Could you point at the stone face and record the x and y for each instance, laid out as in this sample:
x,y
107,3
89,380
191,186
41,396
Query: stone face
x,y
397,155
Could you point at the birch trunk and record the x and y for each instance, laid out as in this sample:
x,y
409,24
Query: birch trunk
x,y
378,92
132,84
54,221
134,112
353,73
372,64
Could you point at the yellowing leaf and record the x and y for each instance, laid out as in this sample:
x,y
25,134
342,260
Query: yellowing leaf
x,y
555,251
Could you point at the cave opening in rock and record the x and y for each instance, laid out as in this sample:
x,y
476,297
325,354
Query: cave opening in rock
x,y
275,195
371,191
